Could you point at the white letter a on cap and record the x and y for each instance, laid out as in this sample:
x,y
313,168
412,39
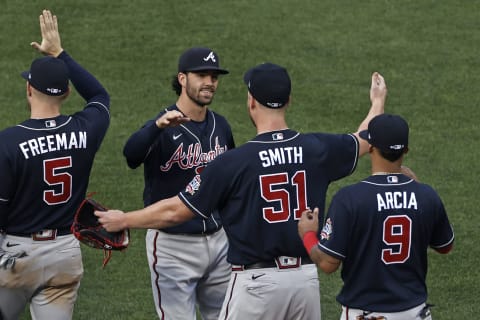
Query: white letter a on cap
x,y
210,56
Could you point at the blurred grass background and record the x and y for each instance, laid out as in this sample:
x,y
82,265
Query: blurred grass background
x,y
427,51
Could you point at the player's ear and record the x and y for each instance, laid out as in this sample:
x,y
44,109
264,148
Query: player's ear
x,y
250,101
29,89
182,79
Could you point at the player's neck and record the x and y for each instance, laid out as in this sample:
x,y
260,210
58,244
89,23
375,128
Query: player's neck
x,y
43,111
386,167
267,122
380,165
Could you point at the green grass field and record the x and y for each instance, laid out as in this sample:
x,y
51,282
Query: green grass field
x,y
427,51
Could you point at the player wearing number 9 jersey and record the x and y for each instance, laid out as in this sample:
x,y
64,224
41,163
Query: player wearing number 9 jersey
x,y
45,163
379,229
260,190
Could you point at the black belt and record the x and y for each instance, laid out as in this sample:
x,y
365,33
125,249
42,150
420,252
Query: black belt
x,y
280,263
205,233
46,234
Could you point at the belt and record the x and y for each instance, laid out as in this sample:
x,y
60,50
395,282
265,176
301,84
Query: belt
x,y
205,233
282,262
44,235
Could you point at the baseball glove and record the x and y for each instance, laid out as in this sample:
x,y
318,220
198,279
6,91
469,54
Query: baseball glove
x,y
89,231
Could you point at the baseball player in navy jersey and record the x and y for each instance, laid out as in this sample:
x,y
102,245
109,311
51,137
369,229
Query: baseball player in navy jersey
x,y
260,190
379,230
45,164
187,262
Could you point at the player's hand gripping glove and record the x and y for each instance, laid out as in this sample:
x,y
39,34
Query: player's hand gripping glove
x,y
89,231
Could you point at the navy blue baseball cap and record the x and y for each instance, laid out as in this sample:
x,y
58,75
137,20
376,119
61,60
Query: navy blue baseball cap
x,y
269,84
200,59
388,132
48,75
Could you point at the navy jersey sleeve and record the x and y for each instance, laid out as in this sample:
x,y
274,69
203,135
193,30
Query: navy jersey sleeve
x,y
341,154
96,113
138,145
442,234
85,83
334,236
207,191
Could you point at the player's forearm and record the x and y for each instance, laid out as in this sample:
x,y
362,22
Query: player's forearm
x,y
84,82
162,214
138,145
378,95
323,261
376,108
444,250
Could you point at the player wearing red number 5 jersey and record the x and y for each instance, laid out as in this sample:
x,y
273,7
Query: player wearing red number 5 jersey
x,y
379,230
45,164
261,190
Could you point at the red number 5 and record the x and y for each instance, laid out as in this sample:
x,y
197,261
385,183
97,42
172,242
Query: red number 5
x,y
273,189
52,177
397,232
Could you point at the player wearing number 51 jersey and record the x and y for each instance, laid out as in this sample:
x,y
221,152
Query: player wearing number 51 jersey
x,y
379,230
45,163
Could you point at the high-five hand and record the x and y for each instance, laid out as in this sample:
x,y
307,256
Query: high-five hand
x,y
51,44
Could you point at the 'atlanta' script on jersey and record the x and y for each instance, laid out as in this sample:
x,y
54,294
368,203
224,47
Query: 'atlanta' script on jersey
x,y
53,142
194,156
396,200
282,155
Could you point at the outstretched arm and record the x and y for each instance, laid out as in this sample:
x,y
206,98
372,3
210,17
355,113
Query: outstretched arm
x,y
138,145
378,95
308,229
162,214
86,84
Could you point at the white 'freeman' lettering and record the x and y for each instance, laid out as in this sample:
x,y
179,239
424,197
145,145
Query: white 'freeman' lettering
x,y
53,142
396,200
284,155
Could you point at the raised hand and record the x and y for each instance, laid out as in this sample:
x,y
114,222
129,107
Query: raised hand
x,y
171,119
378,89
51,44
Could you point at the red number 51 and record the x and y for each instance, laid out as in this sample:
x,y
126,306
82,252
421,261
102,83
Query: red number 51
x,y
272,188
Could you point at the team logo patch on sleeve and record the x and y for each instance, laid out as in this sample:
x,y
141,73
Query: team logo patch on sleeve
x,y
327,230
193,186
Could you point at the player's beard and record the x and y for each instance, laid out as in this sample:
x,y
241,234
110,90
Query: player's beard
x,y
196,95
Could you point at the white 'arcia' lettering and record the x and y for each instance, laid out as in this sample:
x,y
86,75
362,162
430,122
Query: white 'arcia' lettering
x,y
396,200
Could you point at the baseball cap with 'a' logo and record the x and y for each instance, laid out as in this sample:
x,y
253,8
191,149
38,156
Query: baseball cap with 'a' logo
x,y
200,59
48,75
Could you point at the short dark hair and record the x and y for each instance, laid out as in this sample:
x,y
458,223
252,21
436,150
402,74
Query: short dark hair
x,y
391,156
176,86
